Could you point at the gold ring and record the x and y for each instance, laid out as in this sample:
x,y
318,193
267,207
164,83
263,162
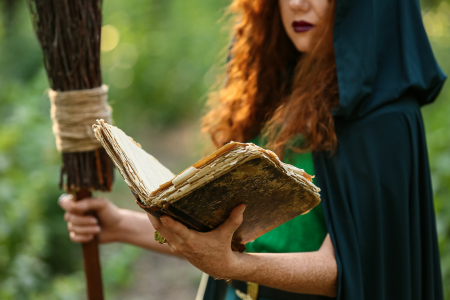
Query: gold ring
x,y
159,238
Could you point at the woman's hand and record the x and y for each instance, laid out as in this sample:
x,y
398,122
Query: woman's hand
x,y
211,251
111,225
83,227
307,272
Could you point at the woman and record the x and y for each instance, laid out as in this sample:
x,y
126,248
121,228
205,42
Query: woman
x,y
349,77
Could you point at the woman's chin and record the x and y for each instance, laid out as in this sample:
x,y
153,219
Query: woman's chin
x,y
302,46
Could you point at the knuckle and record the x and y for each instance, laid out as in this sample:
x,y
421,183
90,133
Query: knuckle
x,y
81,206
177,249
78,220
172,227
72,208
85,220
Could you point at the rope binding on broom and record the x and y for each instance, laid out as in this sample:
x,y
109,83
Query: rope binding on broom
x,y
73,113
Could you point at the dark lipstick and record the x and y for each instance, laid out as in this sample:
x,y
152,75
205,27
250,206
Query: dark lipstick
x,y
302,26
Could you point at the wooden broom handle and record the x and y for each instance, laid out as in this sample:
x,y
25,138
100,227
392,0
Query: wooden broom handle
x,y
91,260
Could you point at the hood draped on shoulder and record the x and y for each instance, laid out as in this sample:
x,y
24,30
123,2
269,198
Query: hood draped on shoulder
x,y
382,53
376,187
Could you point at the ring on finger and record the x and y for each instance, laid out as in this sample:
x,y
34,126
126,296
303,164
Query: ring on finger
x,y
159,238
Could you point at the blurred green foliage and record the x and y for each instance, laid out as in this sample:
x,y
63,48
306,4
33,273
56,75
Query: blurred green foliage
x,y
437,121
431,4
165,57
159,58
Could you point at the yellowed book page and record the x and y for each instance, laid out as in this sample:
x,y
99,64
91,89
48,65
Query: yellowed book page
x,y
141,166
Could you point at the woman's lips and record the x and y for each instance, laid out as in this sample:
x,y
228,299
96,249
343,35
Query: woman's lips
x,y
302,26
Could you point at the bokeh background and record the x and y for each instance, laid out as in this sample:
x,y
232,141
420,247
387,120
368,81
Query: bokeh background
x,y
160,59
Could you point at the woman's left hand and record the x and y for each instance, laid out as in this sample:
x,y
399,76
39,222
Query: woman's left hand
x,y
210,251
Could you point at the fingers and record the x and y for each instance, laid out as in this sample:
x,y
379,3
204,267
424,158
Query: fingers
x,y
233,222
176,228
82,234
92,229
80,220
155,222
82,229
66,201
83,206
166,233
80,238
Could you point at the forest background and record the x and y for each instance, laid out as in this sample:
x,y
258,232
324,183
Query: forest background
x,y
160,59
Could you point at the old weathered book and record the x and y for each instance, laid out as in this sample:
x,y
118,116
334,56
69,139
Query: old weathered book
x,y
202,196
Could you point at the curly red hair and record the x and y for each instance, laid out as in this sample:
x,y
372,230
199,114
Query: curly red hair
x,y
273,88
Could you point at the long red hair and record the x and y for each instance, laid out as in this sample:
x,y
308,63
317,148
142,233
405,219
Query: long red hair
x,y
271,87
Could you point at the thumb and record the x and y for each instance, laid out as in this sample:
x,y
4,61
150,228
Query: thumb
x,y
233,222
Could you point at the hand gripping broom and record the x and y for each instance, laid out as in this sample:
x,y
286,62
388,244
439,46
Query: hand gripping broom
x,y
69,34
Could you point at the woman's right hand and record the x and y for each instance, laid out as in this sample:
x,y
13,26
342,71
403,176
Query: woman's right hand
x,y
83,228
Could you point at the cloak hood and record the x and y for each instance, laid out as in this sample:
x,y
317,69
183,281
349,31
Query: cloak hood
x,y
376,187
382,53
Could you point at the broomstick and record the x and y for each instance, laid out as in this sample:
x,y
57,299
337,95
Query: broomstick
x,y
69,34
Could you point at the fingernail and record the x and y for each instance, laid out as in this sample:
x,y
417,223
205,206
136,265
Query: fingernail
x,y
97,229
163,220
94,221
242,211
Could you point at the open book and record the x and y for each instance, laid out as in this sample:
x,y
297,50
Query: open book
x,y
202,196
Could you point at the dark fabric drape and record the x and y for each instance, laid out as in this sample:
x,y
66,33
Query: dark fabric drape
x,y
382,53
376,188
378,204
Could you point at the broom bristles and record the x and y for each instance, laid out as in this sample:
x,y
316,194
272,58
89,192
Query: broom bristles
x,y
69,32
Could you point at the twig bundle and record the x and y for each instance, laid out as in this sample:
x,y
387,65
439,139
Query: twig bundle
x,y
69,32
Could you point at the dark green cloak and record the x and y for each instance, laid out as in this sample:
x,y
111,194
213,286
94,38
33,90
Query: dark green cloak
x,y
376,187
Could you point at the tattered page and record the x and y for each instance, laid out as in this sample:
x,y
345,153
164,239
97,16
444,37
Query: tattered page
x,y
141,168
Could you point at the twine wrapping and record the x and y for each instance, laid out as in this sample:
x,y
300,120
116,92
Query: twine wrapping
x,y
73,113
